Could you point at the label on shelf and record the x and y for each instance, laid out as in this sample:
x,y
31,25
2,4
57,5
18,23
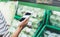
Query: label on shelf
x,y
44,1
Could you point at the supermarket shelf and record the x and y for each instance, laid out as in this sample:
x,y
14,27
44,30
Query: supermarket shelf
x,y
43,6
40,33
47,7
54,27
53,2
17,17
4,0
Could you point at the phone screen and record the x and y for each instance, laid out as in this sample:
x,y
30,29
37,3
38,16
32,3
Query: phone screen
x,y
22,19
28,14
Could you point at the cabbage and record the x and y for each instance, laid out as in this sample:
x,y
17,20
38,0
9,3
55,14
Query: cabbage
x,y
55,18
50,34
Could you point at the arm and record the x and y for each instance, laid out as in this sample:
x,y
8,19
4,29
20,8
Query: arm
x,y
20,27
16,33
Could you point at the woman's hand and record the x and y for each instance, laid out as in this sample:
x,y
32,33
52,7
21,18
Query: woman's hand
x,y
20,27
23,23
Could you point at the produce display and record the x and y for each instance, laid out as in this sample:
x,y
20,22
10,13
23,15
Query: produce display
x,y
35,18
48,33
55,18
9,9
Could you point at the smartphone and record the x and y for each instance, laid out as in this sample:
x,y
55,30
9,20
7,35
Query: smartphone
x,y
28,13
25,16
22,19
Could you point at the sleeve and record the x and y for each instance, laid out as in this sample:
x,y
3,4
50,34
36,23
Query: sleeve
x,y
3,26
7,34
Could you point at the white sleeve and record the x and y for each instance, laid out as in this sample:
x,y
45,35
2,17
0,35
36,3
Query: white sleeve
x,y
3,27
7,34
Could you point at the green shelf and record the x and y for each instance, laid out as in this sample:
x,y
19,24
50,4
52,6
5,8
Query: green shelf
x,y
17,17
4,0
53,27
50,28
47,7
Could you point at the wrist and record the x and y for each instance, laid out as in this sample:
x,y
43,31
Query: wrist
x,y
20,27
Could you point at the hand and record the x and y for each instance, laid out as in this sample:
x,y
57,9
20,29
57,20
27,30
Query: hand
x,y
20,27
24,23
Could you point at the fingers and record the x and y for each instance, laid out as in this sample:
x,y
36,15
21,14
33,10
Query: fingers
x,y
26,19
24,22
